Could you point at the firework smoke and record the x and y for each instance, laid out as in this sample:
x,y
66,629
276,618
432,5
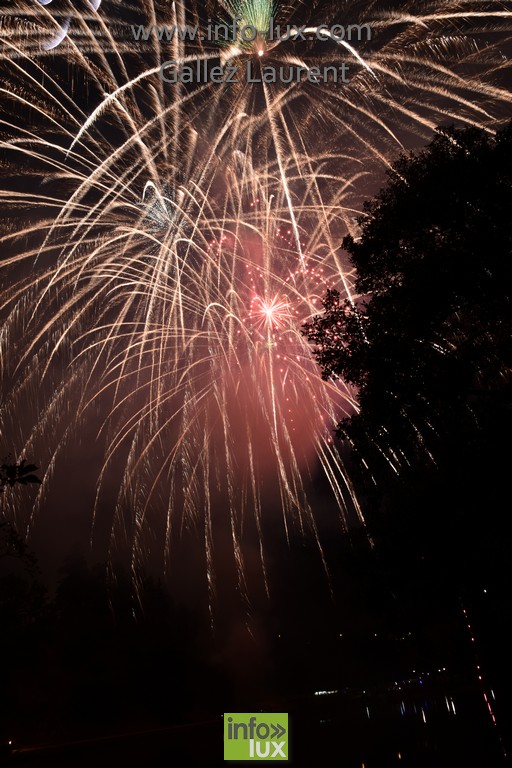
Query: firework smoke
x,y
164,242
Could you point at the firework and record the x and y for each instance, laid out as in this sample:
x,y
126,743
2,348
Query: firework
x,y
165,242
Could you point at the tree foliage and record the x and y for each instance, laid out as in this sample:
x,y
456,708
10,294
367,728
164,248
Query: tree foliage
x,y
13,472
427,344
427,341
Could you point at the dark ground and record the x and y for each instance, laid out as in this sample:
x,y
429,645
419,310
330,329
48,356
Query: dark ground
x,y
330,730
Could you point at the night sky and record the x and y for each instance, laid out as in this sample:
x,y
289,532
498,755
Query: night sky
x,y
163,246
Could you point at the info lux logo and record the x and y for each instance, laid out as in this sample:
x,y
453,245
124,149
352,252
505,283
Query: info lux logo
x,y
259,736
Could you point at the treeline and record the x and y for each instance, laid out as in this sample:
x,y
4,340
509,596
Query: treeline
x,y
95,656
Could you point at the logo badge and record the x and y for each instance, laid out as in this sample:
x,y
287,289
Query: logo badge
x,y
256,736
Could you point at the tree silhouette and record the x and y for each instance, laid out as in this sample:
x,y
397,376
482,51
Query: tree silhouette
x,y
427,342
427,345
13,472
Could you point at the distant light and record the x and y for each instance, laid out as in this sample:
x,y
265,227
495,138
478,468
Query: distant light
x,y
260,52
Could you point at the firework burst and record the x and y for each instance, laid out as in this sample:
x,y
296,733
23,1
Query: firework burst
x,y
164,242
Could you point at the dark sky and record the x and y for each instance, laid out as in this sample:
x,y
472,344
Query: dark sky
x,y
342,143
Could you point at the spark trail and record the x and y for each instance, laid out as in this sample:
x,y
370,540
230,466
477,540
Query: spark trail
x,y
165,242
